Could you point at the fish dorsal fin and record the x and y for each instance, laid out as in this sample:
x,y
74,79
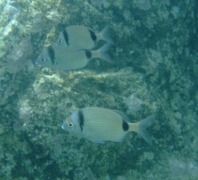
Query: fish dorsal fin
x,y
124,116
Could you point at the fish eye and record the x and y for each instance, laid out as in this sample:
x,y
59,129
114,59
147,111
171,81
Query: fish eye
x,y
43,59
70,124
60,41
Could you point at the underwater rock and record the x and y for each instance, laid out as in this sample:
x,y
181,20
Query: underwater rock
x,y
19,57
143,4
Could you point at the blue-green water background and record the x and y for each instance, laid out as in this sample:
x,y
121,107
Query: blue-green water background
x,y
154,72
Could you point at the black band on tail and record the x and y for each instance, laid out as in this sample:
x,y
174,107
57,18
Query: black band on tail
x,y
93,35
88,54
125,126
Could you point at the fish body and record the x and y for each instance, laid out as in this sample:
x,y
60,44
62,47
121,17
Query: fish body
x,y
61,58
81,37
99,125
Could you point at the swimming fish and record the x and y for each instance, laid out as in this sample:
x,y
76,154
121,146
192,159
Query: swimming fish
x,y
99,125
61,58
81,37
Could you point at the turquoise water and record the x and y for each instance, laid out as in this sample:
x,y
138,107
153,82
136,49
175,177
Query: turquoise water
x,y
154,72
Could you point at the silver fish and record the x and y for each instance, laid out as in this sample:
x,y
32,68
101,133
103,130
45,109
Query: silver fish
x,y
99,125
81,37
61,58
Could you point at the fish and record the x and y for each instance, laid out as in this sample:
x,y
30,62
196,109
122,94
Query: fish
x,y
82,37
99,125
64,59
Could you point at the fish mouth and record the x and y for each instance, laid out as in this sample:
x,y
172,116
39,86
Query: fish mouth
x,y
63,126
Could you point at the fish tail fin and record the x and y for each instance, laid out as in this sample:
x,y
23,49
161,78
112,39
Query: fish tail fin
x,y
105,35
141,128
103,53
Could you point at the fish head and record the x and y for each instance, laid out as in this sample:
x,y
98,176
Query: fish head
x,y
62,40
45,59
71,124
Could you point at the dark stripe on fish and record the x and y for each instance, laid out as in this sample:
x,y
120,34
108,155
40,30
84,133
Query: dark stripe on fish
x,y
93,35
88,54
81,119
51,53
125,126
65,35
